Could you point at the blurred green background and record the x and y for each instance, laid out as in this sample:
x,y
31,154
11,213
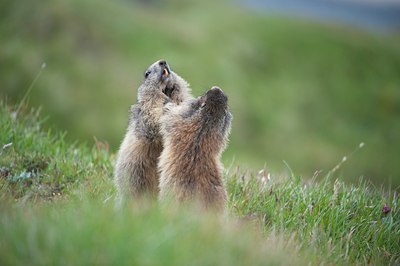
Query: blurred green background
x,y
303,92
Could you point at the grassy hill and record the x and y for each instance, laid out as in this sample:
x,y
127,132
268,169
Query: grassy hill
x,y
301,92
57,207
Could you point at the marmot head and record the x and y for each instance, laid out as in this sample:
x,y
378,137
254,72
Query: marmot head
x,y
155,80
214,101
160,78
211,110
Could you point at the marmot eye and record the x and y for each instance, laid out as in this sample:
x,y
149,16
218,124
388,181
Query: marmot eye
x,y
147,73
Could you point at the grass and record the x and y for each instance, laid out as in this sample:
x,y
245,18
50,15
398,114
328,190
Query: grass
x,y
300,91
57,207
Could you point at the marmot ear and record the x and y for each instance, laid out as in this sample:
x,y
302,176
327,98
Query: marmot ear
x,y
202,100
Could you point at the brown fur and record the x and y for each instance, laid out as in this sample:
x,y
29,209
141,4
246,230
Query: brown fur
x,y
136,165
195,134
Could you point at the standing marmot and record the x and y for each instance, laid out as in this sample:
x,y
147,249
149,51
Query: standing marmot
x,y
136,166
195,134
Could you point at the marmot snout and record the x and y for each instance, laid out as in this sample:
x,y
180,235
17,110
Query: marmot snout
x,y
195,133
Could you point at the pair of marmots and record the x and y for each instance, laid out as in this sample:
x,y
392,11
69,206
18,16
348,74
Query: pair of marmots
x,y
174,142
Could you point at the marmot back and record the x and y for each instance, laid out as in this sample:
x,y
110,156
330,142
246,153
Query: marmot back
x,y
136,166
195,134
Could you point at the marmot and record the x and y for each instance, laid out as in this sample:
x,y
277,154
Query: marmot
x,y
195,134
136,165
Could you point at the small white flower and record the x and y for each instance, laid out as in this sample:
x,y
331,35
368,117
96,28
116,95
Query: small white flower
x,y
7,145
